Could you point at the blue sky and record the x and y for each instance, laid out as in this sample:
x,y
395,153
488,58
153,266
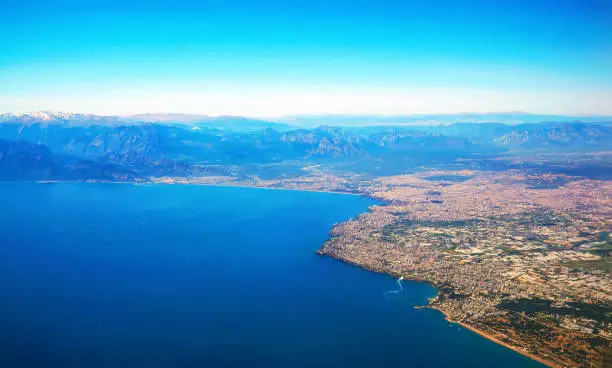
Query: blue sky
x,y
266,58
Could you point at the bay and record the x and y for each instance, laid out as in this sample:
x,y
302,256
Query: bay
x,y
121,275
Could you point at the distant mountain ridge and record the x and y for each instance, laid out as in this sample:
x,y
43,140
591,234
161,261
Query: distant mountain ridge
x,y
21,160
55,117
197,121
228,147
563,136
304,120
508,118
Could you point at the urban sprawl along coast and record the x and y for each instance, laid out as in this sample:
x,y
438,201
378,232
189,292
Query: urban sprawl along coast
x,y
520,258
515,257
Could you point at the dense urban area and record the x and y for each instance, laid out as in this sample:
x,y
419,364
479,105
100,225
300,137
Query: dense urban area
x,y
515,257
520,258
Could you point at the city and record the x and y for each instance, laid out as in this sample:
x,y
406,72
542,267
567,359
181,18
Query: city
x,y
493,246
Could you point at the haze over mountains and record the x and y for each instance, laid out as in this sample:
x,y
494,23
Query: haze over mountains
x,y
303,120
437,119
47,145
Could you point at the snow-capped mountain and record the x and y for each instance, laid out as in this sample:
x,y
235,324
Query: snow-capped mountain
x,y
58,117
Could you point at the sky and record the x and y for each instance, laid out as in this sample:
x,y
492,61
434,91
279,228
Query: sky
x,y
272,58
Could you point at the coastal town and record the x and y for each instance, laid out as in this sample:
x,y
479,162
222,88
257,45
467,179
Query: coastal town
x,y
520,258
526,265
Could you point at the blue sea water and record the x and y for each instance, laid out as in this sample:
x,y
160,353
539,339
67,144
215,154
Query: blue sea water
x,y
119,275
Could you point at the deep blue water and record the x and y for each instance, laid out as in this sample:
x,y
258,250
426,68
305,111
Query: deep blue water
x,y
103,275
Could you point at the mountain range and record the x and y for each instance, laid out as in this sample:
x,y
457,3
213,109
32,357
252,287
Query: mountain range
x,y
48,145
312,120
508,118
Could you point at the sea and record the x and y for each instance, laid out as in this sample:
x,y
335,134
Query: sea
x,y
125,275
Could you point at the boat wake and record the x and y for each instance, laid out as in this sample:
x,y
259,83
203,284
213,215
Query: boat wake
x,y
401,288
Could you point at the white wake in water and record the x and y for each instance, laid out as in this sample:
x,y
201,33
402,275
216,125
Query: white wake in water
x,y
401,288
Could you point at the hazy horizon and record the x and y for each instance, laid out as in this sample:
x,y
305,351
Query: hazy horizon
x,y
287,117
269,58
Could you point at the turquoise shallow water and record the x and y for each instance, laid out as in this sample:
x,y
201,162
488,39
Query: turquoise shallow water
x,y
119,275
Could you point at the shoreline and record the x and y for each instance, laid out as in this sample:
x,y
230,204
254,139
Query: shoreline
x,y
260,187
490,337
546,362
484,334
487,336
188,183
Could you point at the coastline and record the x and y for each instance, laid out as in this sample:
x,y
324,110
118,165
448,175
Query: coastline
x,y
261,187
321,252
189,183
546,362
490,337
482,333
